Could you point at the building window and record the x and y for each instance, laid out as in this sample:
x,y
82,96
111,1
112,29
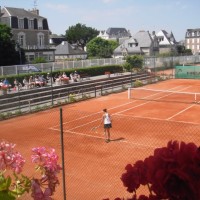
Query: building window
x,y
197,40
21,23
40,24
193,41
31,24
198,47
41,40
130,45
192,47
21,39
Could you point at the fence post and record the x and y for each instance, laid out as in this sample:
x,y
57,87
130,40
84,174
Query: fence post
x,y
62,152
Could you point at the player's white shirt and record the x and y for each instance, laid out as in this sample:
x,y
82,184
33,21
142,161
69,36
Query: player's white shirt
x,y
107,119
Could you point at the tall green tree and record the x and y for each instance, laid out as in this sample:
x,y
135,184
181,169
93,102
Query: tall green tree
x,y
80,34
8,53
101,48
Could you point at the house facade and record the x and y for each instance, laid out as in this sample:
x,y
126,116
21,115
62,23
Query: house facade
x,y
167,41
67,51
114,34
192,40
142,43
30,31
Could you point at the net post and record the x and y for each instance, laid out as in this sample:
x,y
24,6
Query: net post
x,y
129,93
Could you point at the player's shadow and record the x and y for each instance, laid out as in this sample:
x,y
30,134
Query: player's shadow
x,y
117,139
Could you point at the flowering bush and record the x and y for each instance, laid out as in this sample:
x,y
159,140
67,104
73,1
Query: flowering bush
x,y
15,185
171,173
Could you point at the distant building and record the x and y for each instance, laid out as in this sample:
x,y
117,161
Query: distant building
x,y
142,43
30,31
192,40
55,40
67,51
114,34
167,42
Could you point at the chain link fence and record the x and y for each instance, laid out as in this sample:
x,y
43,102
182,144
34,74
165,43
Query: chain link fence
x,y
154,63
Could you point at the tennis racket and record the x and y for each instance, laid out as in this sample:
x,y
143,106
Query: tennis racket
x,y
95,129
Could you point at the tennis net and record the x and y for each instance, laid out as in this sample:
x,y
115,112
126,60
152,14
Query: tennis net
x,y
163,95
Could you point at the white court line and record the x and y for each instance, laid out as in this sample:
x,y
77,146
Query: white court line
x,y
70,130
180,112
86,116
103,138
149,101
119,111
150,118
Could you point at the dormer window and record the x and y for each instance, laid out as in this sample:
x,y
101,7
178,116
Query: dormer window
x,y
40,24
31,24
21,23
130,44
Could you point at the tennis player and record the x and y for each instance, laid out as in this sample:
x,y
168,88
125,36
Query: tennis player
x,y
106,119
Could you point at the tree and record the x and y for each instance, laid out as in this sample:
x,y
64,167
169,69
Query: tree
x,y
101,48
80,34
134,62
8,53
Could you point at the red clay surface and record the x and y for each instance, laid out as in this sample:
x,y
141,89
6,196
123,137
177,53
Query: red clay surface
x,y
92,167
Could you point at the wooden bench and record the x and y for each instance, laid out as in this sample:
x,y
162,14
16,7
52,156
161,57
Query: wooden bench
x,y
118,72
84,76
107,73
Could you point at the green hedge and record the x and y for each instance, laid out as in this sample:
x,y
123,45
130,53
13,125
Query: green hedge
x,y
91,71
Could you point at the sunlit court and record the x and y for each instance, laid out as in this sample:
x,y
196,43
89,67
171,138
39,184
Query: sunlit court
x,y
142,119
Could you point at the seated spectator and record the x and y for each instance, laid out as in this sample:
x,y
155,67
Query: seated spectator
x,y
26,83
76,76
1,83
39,81
49,79
58,80
17,85
64,75
31,82
6,82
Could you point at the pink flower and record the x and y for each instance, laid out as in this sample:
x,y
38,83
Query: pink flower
x,y
10,159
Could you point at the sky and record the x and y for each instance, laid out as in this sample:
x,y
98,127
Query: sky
x,y
174,16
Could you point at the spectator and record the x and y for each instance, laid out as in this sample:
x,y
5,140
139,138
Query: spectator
x,y
17,85
26,83
50,79
6,82
76,76
1,83
31,82
72,77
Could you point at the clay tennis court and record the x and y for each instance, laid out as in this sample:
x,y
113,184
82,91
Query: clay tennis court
x,y
93,167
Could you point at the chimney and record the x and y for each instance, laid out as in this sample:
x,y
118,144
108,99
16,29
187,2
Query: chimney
x,y
35,11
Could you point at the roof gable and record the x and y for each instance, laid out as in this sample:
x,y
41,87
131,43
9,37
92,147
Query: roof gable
x,y
20,13
65,48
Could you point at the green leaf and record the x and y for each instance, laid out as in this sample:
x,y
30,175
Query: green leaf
x,y
6,196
